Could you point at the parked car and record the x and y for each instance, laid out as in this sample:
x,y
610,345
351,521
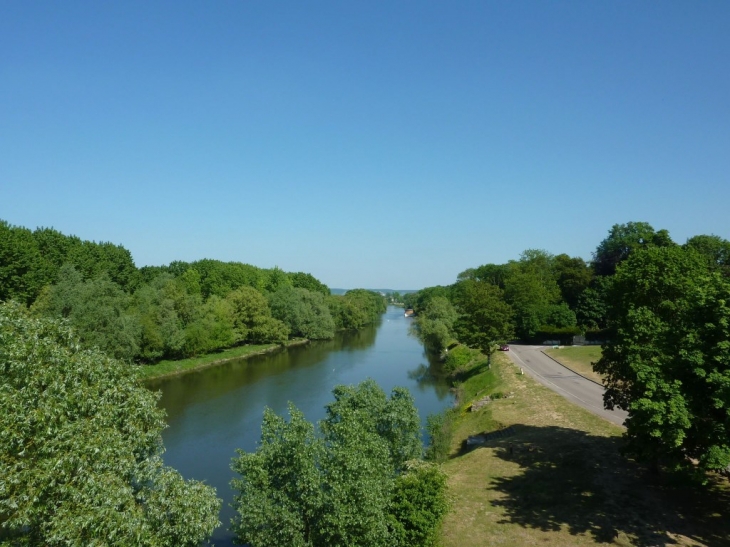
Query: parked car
x,y
504,347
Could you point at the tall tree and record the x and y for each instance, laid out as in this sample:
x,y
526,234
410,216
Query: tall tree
x,y
573,277
531,295
81,449
307,281
98,309
21,268
485,319
306,313
715,249
434,324
622,240
163,332
668,360
252,319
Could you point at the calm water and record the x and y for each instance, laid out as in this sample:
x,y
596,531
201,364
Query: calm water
x,y
214,411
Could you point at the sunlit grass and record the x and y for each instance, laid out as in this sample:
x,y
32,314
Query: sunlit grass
x,y
559,478
578,359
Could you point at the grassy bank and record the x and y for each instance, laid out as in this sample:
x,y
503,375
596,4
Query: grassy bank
x,y
556,477
171,368
578,359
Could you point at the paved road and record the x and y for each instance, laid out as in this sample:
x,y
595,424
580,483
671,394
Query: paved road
x,y
567,383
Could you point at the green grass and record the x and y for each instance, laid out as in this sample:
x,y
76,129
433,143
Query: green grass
x,y
578,359
559,478
170,367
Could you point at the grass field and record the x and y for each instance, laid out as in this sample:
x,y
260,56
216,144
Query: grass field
x,y
170,368
578,359
559,479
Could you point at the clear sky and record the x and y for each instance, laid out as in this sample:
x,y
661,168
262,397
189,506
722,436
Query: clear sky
x,y
377,144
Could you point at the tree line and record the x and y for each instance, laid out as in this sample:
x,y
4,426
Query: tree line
x,y
660,309
166,312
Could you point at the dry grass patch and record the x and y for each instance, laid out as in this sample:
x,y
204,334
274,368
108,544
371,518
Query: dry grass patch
x,y
579,359
559,479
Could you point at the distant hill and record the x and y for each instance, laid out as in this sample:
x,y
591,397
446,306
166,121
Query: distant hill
x,y
385,291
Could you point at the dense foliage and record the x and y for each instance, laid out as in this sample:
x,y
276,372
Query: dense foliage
x,y
667,361
80,448
662,311
358,482
543,296
179,310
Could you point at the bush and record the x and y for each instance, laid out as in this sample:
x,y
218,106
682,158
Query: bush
x,y
439,428
459,357
418,504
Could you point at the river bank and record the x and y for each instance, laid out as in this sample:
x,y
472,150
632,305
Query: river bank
x,y
169,368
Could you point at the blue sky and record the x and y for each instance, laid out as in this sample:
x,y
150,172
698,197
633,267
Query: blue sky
x,y
377,144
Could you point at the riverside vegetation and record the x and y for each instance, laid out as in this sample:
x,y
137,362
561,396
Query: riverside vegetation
x,y
182,310
662,310
81,438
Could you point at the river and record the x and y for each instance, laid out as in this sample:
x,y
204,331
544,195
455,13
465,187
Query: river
x,y
214,411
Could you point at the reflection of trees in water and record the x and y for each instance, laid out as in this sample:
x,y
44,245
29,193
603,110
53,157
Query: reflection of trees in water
x,y
358,339
217,380
430,377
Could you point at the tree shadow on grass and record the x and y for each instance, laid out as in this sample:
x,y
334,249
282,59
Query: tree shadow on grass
x,y
574,480
461,375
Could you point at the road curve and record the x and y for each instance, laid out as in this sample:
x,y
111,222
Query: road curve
x,y
567,383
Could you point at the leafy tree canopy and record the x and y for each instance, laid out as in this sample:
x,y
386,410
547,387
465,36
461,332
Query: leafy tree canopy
x,y
434,325
81,446
353,484
306,313
668,360
622,240
307,281
715,249
573,276
485,319
98,309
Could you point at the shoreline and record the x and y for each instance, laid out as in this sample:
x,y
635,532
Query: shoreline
x,y
182,369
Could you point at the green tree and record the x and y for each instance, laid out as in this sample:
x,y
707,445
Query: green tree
x,y
252,319
418,504
349,485
419,300
592,303
163,333
279,494
434,325
715,249
307,281
622,240
531,295
276,279
668,360
356,308
489,273
304,312
394,419
485,319
573,277
98,309
211,329
81,448
21,273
